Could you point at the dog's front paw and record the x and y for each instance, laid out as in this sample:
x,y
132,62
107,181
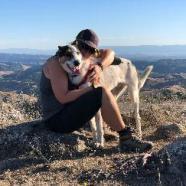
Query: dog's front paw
x,y
98,142
99,145
96,145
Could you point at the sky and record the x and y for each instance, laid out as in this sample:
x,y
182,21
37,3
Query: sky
x,y
45,24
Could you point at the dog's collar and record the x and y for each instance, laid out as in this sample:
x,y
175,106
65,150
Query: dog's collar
x,y
84,79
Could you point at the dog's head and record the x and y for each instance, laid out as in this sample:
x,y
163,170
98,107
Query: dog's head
x,y
70,58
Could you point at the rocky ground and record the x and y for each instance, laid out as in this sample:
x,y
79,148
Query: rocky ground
x,y
32,155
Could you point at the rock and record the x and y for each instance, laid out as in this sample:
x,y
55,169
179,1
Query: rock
x,y
17,108
4,183
80,146
168,131
158,167
33,140
92,176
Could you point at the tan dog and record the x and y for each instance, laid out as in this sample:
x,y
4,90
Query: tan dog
x,y
123,72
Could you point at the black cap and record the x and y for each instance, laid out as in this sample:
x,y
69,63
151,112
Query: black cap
x,y
88,37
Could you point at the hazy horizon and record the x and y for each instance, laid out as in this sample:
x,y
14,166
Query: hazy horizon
x,y
103,46
140,51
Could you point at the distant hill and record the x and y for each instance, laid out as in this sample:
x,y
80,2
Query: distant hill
x,y
142,51
21,80
21,72
151,52
163,66
22,58
27,51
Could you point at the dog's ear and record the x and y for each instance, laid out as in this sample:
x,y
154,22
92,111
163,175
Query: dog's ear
x,y
62,51
63,48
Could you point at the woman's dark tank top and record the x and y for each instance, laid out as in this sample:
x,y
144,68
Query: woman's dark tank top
x,y
49,104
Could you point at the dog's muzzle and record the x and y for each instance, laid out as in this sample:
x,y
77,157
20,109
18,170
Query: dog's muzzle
x,y
76,63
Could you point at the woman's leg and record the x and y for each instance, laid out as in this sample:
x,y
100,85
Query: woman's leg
x,y
77,113
80,111
111,115
110,111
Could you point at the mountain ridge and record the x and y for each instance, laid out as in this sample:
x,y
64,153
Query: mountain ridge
x,y
128,51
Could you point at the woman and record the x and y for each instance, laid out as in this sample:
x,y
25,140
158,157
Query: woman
x,y
66,109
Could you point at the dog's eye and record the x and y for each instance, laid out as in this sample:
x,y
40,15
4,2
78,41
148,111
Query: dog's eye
x,y
78,53
69,50
68,54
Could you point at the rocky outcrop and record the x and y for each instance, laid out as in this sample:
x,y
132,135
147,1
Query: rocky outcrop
x,y
28,148
17,108
168,131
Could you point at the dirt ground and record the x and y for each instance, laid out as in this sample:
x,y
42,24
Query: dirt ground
x,y
32,155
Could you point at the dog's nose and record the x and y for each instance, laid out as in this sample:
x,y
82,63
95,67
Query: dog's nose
x,y
76,62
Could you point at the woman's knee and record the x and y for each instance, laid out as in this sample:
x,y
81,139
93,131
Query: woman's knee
x,y
106,93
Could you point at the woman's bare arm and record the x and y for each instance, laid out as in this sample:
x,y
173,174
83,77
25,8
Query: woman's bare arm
x,y
59,82
107,57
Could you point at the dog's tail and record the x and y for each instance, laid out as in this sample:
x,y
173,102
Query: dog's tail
x,y
144,76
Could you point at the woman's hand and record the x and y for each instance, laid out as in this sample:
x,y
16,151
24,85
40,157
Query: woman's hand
x,y
95,72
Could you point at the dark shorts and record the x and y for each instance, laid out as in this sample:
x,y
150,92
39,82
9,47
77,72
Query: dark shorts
x,y
77,113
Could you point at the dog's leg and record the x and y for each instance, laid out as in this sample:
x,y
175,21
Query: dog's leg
x,y
93,129
121,92
134,93
100,131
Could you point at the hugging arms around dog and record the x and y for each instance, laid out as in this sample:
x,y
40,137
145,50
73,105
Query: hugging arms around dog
x,y
59,83
78,106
